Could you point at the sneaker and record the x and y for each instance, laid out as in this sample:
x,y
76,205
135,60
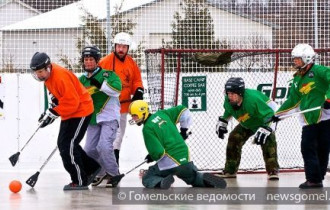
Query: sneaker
x,y
73,186
211,180
273,175
225,174
111,183
167,182
310,185
91,177
98,180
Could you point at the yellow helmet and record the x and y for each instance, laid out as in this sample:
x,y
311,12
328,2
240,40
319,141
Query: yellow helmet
x,y
140,109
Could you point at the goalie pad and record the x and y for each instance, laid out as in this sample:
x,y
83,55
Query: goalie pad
x,y
261,135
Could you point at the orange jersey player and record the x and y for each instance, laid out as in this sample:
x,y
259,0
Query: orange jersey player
x,y
130,76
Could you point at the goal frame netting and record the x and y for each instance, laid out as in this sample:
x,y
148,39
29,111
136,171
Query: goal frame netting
x,y
167,69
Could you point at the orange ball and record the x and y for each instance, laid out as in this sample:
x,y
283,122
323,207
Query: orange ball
x,y
15,186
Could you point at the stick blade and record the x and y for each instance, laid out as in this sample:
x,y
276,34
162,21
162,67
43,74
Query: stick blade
x,y
14,158
33,179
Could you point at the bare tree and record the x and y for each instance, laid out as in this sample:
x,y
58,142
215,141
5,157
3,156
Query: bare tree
x,y
8,65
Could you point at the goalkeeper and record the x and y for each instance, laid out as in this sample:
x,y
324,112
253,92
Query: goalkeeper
x,y
251,109
166,146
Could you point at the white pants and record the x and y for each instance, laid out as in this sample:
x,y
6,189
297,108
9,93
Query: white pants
x,y
120,131
99,145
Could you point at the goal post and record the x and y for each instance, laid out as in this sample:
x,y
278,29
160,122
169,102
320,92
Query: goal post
x,y
182,76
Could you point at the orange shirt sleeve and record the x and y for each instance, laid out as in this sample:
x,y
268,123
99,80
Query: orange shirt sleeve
x,y
137,79
69,99
73,98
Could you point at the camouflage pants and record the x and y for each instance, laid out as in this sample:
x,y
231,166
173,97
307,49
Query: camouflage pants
x,y
237,139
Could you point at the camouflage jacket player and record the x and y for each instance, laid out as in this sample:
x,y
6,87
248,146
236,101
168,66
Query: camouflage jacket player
x,y
162,138
308,91
105,100
255,111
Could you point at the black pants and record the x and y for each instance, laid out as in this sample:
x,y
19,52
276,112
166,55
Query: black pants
x,y
76,162
315,147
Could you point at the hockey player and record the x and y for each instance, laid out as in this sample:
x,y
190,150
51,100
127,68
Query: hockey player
x,y
129,73
75,106
166,146
309,89
252,109
104,87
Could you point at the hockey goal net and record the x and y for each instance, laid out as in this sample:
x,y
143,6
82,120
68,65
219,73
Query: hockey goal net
x,y
196,78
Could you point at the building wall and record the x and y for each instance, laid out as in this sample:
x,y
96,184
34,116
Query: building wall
x,y
153,27
21,45
22,13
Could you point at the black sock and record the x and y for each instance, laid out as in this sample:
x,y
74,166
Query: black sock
x,y
117,155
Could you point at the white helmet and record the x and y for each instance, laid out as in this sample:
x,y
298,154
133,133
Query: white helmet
x,y
123,38
305,52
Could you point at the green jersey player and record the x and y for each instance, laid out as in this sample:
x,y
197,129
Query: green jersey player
x,y
252,109
310,89
166,146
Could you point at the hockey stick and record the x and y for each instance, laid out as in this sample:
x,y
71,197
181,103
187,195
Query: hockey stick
x,y
14,158
117,178
300,112
34,178
281,117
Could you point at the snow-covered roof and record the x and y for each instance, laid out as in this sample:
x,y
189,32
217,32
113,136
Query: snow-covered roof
x,y
70,15
3,3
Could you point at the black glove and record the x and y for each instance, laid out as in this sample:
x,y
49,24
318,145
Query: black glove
x,y
221,128
47,117
184,134
261,135
54,101
96,83
275,119
138,95
326,104
148,159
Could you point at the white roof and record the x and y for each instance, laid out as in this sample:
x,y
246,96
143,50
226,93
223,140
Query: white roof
x,y
70,15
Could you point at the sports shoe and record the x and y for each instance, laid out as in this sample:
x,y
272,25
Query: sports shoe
x,y
73,186
273,175
91,177
111,183
225,174
167,182
310,185
211,180
98,179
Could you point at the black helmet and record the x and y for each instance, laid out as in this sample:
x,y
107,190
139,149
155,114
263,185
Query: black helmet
x,y
92,51
235,85
39,61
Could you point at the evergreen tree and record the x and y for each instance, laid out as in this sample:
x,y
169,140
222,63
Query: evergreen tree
x,y
192,28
